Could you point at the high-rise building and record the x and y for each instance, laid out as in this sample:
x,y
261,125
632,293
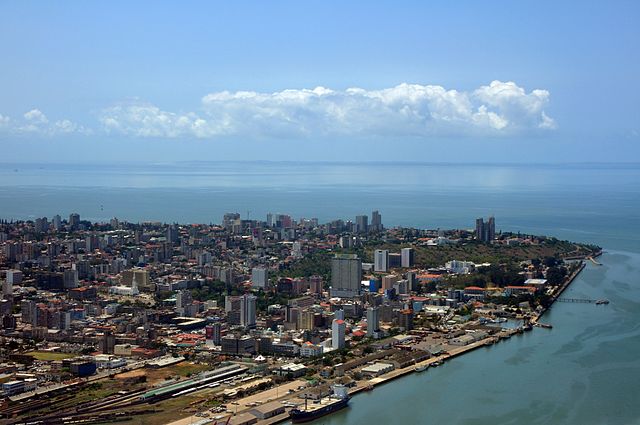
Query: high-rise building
x,y
373,321
376,222
7,288
248,310
485,231
405,320
346,271
412,278
381,260
183,299
389,281
338,330
172,234
57,222
229,219
70,278
259,277
407,255
362,223
74,221
217,333
14,277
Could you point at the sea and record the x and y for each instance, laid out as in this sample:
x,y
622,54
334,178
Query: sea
x,y
586,370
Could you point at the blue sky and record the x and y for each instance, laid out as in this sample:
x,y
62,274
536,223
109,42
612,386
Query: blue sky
x,y
482,81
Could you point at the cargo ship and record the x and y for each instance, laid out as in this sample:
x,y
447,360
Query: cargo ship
x,y
324,406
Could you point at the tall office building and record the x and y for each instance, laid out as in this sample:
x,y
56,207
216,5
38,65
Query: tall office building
x,y
172,234
70,278
485,231
57,222
362,223
381,260
346,272
74,221
248,310
14,277
338,330
407,255
376,222
259,277
389,281
373,321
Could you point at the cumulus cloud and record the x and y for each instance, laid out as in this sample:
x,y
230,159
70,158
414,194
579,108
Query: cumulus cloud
x,y
35,122
36,116
404,110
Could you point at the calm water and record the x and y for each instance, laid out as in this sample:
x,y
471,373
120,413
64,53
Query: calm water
x,y
584,371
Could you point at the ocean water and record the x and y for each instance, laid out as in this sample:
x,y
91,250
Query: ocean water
x,y
586,370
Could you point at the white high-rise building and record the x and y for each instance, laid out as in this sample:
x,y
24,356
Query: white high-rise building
x,y
373,321
407,255
338,330
57,222
183,298
259,277
248,310
381,260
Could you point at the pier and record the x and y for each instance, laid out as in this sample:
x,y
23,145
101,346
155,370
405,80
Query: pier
x,y
576,300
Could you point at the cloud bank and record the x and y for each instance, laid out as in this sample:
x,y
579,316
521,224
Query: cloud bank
x,y
406,110
500,108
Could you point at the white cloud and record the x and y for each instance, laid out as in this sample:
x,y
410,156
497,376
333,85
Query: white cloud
x,y
35,122
404,110
35,116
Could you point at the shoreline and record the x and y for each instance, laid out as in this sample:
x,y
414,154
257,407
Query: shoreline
x,y
504,334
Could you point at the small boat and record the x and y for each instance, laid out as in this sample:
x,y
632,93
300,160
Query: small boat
x,y
368,387
421,368
603,301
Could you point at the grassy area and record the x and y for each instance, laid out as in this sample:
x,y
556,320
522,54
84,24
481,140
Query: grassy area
x,y
50,355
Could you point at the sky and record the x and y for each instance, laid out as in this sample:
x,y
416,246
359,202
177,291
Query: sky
x,y
492,81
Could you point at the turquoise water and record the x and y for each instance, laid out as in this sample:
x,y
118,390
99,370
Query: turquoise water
x,y
586,370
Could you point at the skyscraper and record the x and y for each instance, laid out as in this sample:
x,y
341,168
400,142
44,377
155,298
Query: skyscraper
x,y
362,223
248,310
346,271
485,231
338,329
376,221
381,260
74,221
373,321
407,255
259,277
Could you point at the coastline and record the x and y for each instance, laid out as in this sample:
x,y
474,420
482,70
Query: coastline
x,y
398,373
